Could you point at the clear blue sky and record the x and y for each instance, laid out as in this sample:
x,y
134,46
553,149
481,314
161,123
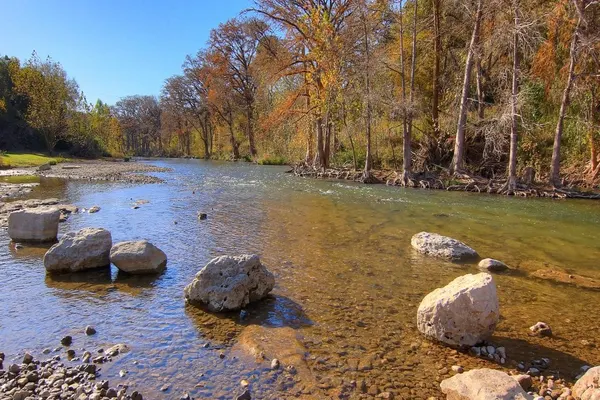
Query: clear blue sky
x,y
113,48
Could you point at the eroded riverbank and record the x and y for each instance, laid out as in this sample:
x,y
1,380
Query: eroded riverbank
x,y
347,288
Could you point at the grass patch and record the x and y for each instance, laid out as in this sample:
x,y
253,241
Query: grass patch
x,y
276,160
21,160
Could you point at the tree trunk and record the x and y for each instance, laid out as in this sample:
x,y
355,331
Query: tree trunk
x,y
459,142
234,144
250,130
406,153
437,49
327,148
594,164
564,104
367,176
319,156
406,148
512,163
480,94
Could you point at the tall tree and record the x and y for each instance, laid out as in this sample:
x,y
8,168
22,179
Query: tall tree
x,y
459,141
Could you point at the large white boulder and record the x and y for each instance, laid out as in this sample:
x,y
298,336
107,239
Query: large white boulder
x,y
433,244
588,386
230,283
483,384
34,224
463,313
138,257
77,251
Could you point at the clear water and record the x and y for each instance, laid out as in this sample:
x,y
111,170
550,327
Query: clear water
x,y
347,280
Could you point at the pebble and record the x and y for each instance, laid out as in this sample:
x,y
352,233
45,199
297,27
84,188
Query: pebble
x,y
458,369
164,388
90,330
66,341
244,396
275,363
541,329
27,359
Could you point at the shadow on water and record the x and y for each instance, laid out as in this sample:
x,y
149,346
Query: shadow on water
x,y
102,281
274,311
28,251
561,362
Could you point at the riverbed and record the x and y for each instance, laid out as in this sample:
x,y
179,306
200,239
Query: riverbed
x,y
347,280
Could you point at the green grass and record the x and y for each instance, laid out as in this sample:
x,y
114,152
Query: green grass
x,y
276,160
21,160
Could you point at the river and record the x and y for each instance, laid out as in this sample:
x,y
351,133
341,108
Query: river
x,y
346,279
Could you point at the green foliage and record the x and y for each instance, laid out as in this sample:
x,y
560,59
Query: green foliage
x,y
271,160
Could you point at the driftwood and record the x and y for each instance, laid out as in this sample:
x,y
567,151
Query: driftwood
x,y
431,180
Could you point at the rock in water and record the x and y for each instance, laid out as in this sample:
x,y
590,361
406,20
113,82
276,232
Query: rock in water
x,y
588,386
34,224
463,313
491,265
94,209
541,329
440,246
229,283
483,384
77,251
140,257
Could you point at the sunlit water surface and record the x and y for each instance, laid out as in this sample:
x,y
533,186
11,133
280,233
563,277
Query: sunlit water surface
x,y
347,279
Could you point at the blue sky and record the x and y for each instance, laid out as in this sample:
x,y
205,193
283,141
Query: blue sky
x,y
113,48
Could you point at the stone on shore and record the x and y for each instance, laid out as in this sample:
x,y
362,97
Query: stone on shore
x,y
34,225
463,313
138,257
491,265
433,244
78,251
588,386
483,384
229,283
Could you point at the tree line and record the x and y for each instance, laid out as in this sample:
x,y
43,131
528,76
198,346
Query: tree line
x,y
484,87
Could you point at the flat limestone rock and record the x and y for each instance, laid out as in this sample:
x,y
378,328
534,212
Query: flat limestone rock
x,y
588,386
138,257
78,251
557,275
264,344
483,384
38,224
462,313
433,244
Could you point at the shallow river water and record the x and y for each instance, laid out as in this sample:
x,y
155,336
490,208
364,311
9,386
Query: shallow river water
x,y
347,281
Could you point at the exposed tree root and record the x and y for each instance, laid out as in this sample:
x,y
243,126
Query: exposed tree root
x,y
458,182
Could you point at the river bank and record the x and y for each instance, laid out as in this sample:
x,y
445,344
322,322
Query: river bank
x,y
443,181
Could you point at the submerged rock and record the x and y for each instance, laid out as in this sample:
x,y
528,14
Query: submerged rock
x,y
34,224
139,257
77,251
588,386
229,283
463,313
557,275
433,244
483,384
491,265
541,329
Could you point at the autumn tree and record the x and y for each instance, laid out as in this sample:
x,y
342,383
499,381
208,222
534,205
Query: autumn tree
x,y
51,97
